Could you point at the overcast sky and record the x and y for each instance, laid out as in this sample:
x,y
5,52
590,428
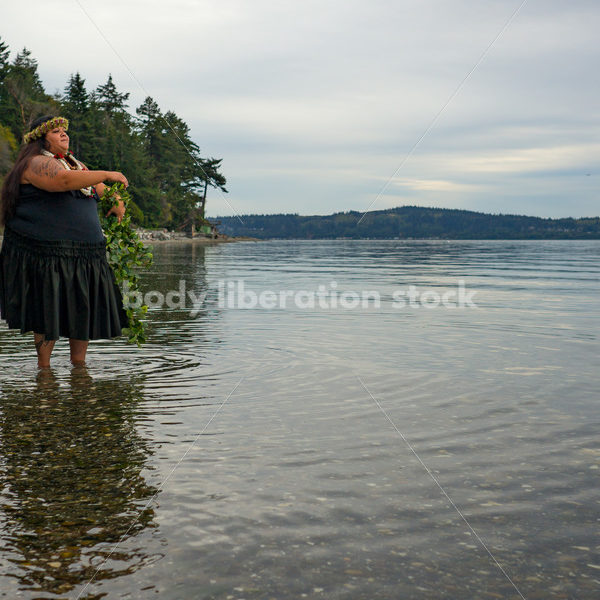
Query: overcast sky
x,y
314,105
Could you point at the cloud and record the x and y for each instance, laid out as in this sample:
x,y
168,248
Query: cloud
x,y
434,185
314,105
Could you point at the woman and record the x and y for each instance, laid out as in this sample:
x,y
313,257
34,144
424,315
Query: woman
x,y
54,276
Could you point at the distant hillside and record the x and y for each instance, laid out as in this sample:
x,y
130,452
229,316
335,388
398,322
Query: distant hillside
x,y
409,222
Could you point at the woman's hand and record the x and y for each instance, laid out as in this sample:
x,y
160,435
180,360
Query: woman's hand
x,y
117,176
118,210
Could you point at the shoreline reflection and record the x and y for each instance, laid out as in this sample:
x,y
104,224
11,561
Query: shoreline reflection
x,y
71,472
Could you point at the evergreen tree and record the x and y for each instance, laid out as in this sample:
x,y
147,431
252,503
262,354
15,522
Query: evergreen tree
x,y
75,99
76,108
213,178
4,64
109,99
113,127
7,138
25,68
149,128
25,95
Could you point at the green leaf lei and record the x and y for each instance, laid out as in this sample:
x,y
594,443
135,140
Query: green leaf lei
x,y
125,252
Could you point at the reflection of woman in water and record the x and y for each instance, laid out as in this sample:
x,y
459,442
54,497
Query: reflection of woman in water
x,y
54,277
72,482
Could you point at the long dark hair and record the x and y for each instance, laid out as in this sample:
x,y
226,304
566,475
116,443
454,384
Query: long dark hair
x,y
10,188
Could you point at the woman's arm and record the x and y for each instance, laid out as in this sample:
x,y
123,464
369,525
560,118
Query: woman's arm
x,y
48,174
100,189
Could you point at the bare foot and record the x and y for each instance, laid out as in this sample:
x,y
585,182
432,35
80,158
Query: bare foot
x,y
44,348
78,351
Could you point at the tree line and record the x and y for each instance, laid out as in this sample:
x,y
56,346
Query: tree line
x,y
409,222
168,177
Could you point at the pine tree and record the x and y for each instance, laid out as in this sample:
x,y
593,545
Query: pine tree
x,y
4,97
113,127
75,99
4,64
26,98
25,68
76,108
109,99
213,178
150,126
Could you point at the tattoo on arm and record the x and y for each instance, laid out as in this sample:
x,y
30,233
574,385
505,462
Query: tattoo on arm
x,y
45,167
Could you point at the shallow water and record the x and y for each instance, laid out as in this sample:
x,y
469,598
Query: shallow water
x,y
355,453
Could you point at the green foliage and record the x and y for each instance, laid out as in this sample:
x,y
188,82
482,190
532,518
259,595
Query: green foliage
x,y
8,149
110,100
76,108
126,255
178,179
22,94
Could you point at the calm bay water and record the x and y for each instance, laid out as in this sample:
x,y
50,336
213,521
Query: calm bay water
x,y
374,452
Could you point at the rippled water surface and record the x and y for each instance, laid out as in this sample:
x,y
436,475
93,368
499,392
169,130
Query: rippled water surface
x,y
374,452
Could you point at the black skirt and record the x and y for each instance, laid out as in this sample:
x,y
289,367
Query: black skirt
x,y
59,288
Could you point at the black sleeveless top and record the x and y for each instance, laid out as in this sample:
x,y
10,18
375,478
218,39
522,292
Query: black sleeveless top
x,y
53,216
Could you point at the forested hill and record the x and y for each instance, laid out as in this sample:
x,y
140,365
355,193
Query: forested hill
x,y
409,222
168,176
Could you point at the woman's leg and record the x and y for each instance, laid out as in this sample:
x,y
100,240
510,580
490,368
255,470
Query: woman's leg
x,y
78,350
44,348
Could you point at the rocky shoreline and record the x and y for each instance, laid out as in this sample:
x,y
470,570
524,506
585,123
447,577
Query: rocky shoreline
x,y
162,236
152,236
